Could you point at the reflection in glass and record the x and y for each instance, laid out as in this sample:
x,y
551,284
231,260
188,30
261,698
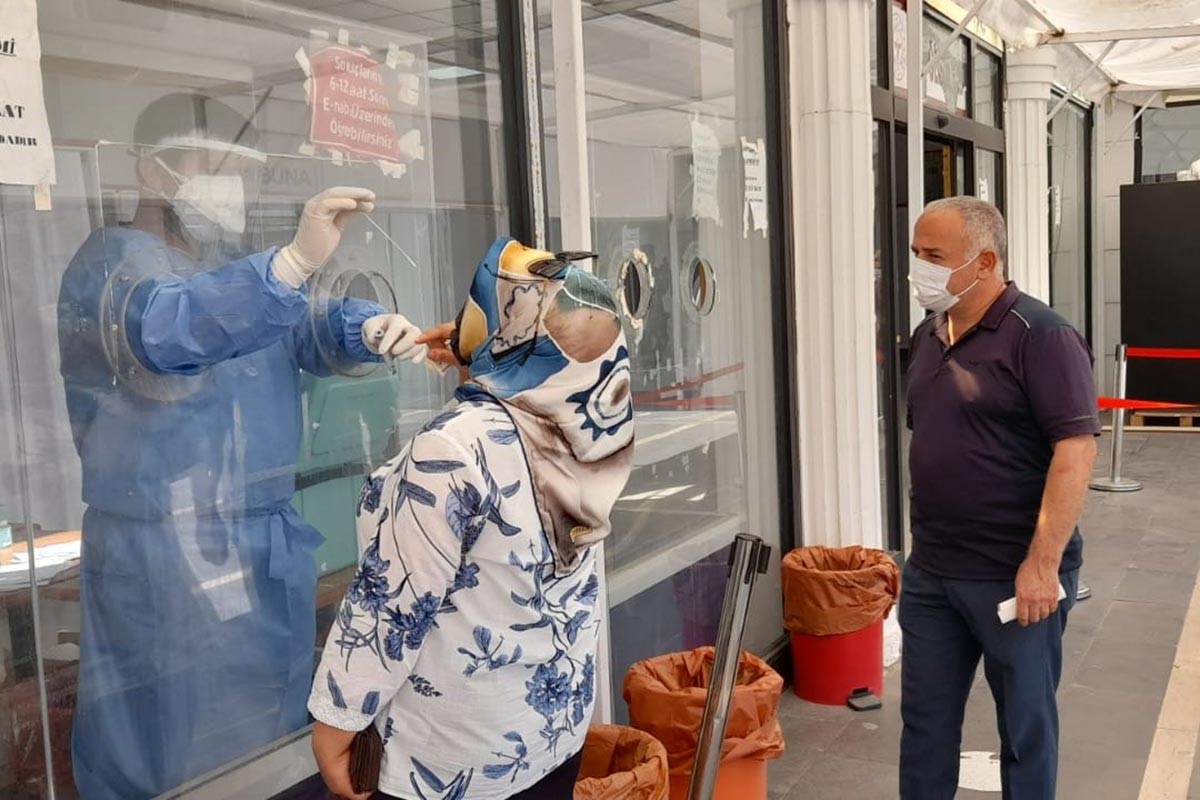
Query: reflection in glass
x,y
1170,141
1069,141
948,79
875,43
703,285
883,346
636,286
666,121
988,176
214,476
988,88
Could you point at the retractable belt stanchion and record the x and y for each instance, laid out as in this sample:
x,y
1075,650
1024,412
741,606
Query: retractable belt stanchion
x,y
1114,482
749,560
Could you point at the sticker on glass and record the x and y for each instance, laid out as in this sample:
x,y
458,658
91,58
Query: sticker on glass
x,y
359,101
754,207
706,164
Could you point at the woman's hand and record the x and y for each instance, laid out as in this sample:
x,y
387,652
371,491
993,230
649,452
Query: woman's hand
x,y
331,747
437,339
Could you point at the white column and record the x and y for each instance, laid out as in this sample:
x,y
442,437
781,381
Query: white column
x,y
834,197
570,92
570,118
1030,76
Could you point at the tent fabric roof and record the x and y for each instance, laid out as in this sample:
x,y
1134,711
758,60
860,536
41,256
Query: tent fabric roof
x,y
1141,65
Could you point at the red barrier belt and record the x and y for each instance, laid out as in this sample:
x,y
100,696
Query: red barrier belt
x,y
657,394
1140,405
1163,352
690,403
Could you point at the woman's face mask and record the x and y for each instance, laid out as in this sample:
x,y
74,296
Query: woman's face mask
x,y
930,282
210,207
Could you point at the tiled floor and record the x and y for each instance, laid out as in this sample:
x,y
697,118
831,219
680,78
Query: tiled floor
x,y
1142,557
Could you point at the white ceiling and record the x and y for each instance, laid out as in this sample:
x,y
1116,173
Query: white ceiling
x,y
650,63
1145,65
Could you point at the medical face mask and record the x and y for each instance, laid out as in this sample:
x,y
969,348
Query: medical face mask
x,y
210,207
929,282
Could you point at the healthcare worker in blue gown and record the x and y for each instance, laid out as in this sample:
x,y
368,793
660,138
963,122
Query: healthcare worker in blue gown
x,y
182,357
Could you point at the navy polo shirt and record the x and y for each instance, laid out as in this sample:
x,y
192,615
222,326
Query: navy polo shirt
x,y
985,414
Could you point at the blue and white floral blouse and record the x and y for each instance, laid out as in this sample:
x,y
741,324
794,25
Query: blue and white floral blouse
x,y
456,638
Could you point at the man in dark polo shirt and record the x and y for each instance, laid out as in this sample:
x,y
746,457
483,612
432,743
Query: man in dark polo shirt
x,y
1002,406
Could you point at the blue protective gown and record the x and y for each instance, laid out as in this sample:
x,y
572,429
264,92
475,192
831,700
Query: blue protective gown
x,y
198,577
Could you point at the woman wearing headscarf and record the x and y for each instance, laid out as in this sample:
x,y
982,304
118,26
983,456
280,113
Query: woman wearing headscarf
x,y
469,634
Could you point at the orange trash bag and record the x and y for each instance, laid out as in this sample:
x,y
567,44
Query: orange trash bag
x,y
837,590
666,697
621,764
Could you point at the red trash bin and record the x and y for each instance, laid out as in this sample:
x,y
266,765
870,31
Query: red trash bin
x,y
835,602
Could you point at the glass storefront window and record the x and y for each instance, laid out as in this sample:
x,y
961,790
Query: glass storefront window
x,y
676,118
988,88
1069,142
899,46
1169,143
948,80
883,316
947,84
988,176
875,20
195,432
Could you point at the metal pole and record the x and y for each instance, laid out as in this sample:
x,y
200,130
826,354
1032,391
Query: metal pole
x,y
748,560
1127,35
570,117
1153,99
948,42
1114,482
533,119
916,137
1077,82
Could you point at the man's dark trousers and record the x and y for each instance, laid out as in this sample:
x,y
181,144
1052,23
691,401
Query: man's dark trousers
x,y
948,626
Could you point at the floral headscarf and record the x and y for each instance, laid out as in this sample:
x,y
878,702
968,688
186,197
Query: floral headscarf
x,y
544,339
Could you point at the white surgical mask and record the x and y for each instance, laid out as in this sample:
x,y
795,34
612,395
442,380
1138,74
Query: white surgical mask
x,y
210,207
929,282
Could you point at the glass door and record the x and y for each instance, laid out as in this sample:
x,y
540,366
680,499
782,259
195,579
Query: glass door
x,y
1070,182
676,105
946,174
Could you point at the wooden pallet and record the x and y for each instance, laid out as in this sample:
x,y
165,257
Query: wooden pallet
x,y
1182,418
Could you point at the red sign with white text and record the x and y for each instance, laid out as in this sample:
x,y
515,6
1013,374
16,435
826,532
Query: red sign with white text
x,y
351,107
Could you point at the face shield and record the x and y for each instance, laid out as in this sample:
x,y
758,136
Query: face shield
x,y
212,184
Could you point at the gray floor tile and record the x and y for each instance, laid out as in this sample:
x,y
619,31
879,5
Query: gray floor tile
x,y
1168,554
1151,586
836,778
1194,789
1133,668
813,732
1143,623
1113,723
1098,776
792,706
872,736
786,771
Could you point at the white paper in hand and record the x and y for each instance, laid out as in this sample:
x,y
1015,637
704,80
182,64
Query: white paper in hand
x,y
1007,611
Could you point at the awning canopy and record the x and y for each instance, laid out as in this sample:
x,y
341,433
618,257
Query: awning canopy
x,y
1144,46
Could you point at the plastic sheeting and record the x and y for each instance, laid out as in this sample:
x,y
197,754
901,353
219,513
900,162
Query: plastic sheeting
x,y
622,764
666,697
1147,65
829,591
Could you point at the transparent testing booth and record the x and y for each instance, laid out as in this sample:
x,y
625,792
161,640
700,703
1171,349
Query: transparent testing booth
x,y
183,440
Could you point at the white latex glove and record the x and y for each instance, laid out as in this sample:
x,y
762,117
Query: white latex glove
x,y
325,217
393,337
